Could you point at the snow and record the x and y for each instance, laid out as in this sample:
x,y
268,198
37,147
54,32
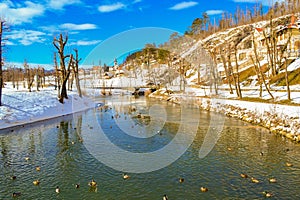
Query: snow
x,y
294,65
21,107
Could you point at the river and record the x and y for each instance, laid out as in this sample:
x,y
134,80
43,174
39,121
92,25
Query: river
x,y
105,142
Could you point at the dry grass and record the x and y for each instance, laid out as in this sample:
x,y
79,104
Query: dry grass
x,y
293,78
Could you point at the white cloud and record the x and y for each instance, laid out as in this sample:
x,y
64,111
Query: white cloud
x,y
60,4
111,7
27,37
9,43
136,1
70,26
184,5
85,42
18,14
264,2
214,12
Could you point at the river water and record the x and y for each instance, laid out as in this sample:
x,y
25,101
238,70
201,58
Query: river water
x,y
90,145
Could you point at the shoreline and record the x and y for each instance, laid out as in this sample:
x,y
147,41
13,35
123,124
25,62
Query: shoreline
x,y
71,106
274,117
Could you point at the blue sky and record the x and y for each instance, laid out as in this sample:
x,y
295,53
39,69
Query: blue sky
x,y
90,24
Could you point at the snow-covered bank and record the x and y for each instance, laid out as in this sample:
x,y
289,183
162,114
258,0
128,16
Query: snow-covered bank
x,y
22,107
279,119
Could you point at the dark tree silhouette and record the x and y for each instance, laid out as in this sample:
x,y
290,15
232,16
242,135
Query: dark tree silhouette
x,y
64,71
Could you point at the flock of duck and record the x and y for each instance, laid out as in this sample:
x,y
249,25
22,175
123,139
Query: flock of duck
x,y
92,183
254,180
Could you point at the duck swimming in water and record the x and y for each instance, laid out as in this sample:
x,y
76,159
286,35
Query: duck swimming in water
x,y
267,194
289,164
36,182
272,180
16,194
126,176
93,183
57,190
254,180
204,189
244,175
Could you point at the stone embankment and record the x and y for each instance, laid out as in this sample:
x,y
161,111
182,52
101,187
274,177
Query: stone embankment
x,y
278,123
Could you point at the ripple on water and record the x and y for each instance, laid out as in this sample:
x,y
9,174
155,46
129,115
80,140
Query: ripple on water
x,y
65,164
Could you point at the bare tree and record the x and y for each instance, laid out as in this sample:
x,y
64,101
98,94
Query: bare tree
x,y
227,74
71,80
60,44
76,72
230,70
287,80
29,75
239,91
2,29
259,69
271,44
258,75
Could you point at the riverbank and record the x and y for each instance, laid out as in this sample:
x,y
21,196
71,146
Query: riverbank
x,y
23,107
280,119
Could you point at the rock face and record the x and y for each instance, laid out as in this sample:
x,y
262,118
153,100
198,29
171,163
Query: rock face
x,y
284,125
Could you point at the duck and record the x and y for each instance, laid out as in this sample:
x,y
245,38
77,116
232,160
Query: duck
x,y
261,153
93,183
244,175
272,180
38,168
36,182
289,164
27,158
181,180
267,194
13,177
16,194
204,189
126,176
57,190
77,185
254,180
229,149
165,197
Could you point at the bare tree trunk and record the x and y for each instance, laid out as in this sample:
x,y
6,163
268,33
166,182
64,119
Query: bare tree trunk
x,y
29,75
1,74
227,73
18,78
63,93
258,77
237,73
13,77
37,79
214,73
70,82
261,73
76,72
59,44
271,47
287,81
233,76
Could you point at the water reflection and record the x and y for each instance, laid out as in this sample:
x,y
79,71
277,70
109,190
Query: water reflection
x,y
57,146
